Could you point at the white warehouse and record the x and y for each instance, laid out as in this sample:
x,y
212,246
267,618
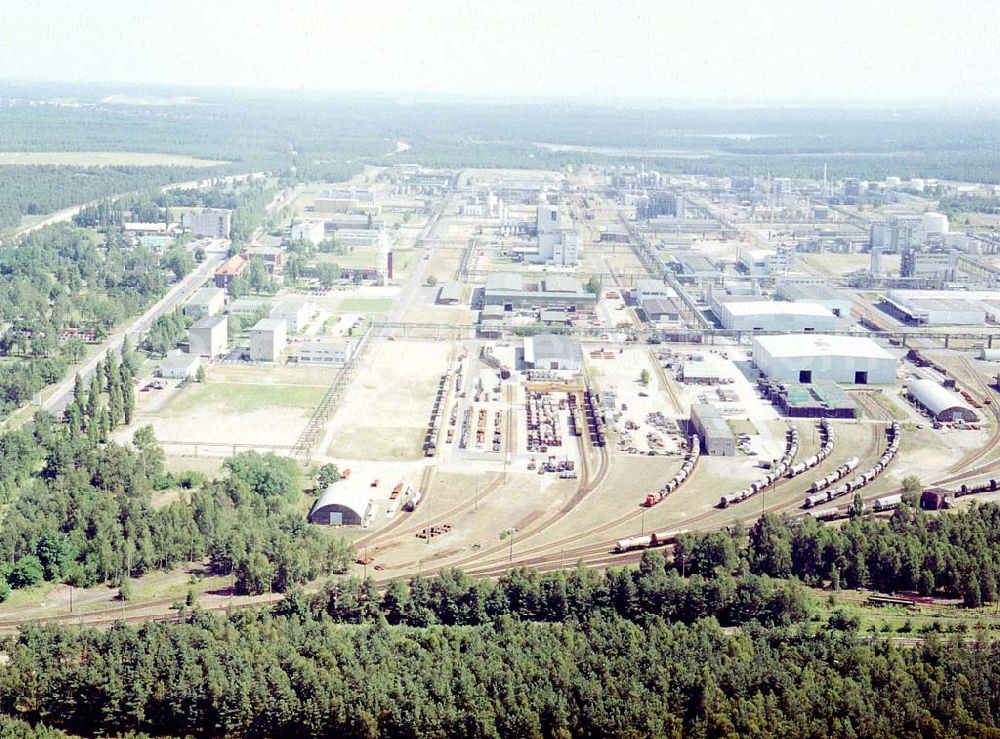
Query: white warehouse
x,y
806,358
773,315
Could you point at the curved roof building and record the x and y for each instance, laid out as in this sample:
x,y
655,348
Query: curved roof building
x,y
942,404
341,504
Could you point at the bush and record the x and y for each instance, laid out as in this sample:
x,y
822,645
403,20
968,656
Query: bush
x,y
27,572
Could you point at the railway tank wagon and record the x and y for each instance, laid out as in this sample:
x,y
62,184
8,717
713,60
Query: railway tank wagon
x,y
687,467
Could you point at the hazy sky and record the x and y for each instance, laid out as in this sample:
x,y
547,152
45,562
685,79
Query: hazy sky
x,y
739,50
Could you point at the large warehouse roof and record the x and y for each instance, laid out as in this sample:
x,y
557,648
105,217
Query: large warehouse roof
x,y
774,307
561,284
821,345
937,399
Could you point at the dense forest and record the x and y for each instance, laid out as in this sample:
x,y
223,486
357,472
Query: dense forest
x,y
59,278
39,189
297,672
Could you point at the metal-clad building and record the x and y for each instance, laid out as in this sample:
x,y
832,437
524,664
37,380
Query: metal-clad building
x,y
552,351
942,404
807,358
772,315
717,438
344,503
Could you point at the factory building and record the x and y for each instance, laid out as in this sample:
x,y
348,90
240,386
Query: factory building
x,y
552,352
206,302
558,240
939,265
697,267
717,438
807,358
268,339
657,310
942,307
772,315
209,336
555,291
941,404
646,288
214,223
762,262
817,294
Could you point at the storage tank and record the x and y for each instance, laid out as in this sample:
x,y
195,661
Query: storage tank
x,y
935,223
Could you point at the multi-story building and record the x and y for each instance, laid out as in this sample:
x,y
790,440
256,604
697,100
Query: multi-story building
x,y
209,222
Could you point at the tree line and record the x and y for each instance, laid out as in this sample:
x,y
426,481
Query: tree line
x,y
291,672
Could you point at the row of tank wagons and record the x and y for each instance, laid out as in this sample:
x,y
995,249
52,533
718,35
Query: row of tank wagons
x,y
694,449
890,502
828,439
887,503
893,436
784,466
647,541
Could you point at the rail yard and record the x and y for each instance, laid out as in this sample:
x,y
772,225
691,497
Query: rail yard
x,y
541,369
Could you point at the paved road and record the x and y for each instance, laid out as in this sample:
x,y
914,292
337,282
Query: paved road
x,y
57,397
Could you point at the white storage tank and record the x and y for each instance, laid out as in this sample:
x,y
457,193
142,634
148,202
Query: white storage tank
x,y
935,223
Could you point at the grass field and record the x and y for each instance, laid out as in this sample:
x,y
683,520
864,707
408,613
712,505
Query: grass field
x,y
239,398
103,159
365,305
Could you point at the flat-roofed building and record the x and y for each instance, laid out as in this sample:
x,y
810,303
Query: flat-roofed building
x,y
716,437
313,231
268,339
325,351
272,256
295,313
208,222
206,302
209,336
450,293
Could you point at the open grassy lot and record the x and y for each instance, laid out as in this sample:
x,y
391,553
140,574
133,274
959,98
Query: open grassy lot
x,y
104,158
365,305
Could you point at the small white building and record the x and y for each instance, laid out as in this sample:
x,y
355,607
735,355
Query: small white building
x,y
178,365
312,231
806,358
209,336
268,339
206,302
325,351
295,313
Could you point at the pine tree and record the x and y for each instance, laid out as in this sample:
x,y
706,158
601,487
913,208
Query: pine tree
x,y
128,390
116,405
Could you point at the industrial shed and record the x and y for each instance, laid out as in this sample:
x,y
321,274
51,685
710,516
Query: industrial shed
x,y
450,293
806,358
717,438
941,307
345,503
772,315
833,300
942,404
552,351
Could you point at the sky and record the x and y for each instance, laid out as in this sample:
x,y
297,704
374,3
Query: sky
x,y
743,51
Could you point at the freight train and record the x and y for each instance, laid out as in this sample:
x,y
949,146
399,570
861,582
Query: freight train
x,y
694,448
828,439
891,502
784,466
647,541
893,436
